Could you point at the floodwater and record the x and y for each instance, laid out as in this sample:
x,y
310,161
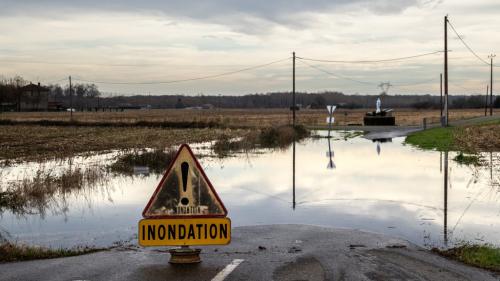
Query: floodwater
x,y
384,187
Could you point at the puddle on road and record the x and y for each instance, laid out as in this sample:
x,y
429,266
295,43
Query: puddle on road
x,y
382,186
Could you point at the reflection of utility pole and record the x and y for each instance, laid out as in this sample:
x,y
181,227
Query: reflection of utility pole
x,y
491,167
440,161
445,222
293,172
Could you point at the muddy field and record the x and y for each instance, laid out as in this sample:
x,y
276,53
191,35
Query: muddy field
x,y
239,117
40,142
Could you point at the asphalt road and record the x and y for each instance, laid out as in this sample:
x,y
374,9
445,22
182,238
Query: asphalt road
x,y
382,132
277,252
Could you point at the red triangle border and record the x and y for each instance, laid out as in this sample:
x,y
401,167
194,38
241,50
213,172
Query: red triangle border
x,y
158,188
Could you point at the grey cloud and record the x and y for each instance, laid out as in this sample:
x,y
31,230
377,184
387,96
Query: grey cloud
x,y
236,14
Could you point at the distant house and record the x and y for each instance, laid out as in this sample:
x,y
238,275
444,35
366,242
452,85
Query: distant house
x,y
33,97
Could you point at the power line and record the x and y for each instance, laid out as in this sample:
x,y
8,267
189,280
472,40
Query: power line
x,y
55,81
371,61
183,80
336,75
467,46
364,82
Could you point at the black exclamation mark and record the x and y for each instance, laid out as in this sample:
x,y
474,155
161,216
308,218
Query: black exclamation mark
x,y
184,170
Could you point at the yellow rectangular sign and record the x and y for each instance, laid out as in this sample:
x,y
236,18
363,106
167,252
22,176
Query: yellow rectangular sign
x,y
179,232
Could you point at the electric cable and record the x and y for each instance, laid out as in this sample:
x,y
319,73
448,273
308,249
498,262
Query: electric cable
x,y
371,61
182,80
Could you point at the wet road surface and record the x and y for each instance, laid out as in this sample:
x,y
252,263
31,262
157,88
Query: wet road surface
x,y
276,252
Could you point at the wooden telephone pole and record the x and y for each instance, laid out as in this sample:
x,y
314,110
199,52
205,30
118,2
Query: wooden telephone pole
x,y
293,92
70,100
491,82
446,69
441,93
486,102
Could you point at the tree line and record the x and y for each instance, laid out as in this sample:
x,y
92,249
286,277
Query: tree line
x,y
305,100
86,96
82,95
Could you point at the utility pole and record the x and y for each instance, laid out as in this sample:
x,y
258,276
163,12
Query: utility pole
x,y
70,100
491,82
446,69
441,95
18,91
293,122
293,92
486,102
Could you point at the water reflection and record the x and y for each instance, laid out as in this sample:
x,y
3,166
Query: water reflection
x,y
47,188
293,173
330,154
379,141
403,192
445,209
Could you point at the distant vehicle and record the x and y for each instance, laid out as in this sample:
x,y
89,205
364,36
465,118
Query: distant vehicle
x,y
71,110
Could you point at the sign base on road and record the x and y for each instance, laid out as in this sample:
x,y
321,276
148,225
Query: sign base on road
x,y
184,255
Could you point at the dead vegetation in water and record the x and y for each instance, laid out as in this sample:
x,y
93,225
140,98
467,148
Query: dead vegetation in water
x,y
157,160
48,190
271,138
47,142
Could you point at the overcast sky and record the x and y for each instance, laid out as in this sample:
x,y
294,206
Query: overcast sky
x,y
163,40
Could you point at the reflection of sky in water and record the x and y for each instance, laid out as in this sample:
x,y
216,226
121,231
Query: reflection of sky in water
x,y
399,192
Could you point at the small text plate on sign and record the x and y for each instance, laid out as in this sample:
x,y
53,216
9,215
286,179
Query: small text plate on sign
x,y
179,232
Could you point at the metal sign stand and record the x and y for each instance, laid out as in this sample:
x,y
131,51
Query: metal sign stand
x,y
184,255
330,119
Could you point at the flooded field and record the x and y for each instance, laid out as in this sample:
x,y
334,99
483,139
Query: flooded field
x,y
383,186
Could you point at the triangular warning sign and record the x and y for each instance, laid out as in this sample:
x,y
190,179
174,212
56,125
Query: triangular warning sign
x,y
184,191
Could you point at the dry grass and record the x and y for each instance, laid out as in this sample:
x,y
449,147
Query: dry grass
x,y
44,191
479,138
238,117
43,142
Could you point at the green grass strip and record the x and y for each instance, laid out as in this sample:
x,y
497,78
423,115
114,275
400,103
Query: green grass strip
x,y
483,256
440,139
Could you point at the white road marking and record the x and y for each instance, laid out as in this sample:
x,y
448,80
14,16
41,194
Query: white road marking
x,y
227,270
